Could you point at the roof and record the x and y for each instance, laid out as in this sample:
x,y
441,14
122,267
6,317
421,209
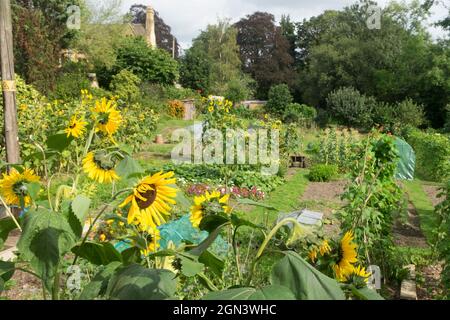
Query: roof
x,y
138,29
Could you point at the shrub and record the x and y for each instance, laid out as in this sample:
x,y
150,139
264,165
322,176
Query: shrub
x,y
126,85
432,154
322,172
152,65
279,98
409,113
240,89
176,109
351,107
299,113
69,85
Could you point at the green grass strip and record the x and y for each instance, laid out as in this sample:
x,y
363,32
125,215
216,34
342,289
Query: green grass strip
x,y
424,207
285,198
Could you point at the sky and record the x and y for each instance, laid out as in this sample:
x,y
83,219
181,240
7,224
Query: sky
x,y
188,17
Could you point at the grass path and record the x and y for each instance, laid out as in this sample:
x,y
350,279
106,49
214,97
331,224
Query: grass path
x,y
424,207
285,198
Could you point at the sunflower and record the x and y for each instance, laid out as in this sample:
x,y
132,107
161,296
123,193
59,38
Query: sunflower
x,y
13,186
361,272
312,255
76,127
209,203
324,248
150,200
108,117
153,238
347,257
98,166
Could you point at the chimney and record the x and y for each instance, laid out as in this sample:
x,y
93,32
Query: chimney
x,y
150,35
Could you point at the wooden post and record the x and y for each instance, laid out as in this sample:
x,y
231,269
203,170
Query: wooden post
x,y
8,83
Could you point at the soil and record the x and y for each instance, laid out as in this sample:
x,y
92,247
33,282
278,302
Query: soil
x,y
432,193
24,287
325,191
428,284
409,234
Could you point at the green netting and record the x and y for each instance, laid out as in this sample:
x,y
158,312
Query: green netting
x,y
407,162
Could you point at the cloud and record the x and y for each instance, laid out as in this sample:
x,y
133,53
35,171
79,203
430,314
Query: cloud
x,y
188,17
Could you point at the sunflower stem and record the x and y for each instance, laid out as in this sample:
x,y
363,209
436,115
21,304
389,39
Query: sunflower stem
x,y
8,211
266,242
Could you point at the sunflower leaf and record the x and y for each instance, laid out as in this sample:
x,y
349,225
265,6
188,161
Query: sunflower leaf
x,y
98,253
6,226
210,223
190,267
33,189
97,287
304,280
80,207
59,142
46,238
135,282
128,167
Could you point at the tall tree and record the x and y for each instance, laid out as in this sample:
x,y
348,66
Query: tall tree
x,y
40,32
164,37
265,52
213,60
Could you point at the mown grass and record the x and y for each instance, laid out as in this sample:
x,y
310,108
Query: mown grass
x,y
424,207
285,198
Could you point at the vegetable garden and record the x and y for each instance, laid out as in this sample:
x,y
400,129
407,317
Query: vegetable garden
x,y
97,209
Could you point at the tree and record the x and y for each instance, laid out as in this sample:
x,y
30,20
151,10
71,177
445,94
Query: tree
x,y
213,60
152,65
338,50
164,37
265,52
279,99
40,32
195,67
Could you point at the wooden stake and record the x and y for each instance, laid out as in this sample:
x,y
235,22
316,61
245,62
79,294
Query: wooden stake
x,y
8,84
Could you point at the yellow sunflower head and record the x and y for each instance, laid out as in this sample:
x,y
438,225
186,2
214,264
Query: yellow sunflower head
x,y
153,237
312,255
208,204
100,167
76,127
13,186
149,202
347,256
107,116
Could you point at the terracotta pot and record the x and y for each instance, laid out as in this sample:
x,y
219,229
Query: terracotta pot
x,y
159,139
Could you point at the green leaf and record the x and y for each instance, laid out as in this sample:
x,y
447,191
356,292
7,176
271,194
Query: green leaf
x,y
210,223
239,222
366,294
190,267
128,166
231,294
99,254
135,282
205,244
46,238
6,226
214,263
256,204
272,292
97,287
33,189
80,207
7,269
59,142
131,255
304,280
